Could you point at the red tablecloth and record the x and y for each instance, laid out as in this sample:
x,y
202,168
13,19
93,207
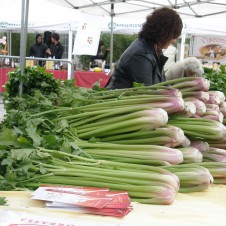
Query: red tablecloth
x,y
82,78
4,77
87,78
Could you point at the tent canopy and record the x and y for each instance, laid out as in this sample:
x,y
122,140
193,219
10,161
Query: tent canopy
x,y
199,17
43,15
131,8
46,15
140,9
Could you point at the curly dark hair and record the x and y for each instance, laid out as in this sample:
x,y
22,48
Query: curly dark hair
x,y
56,36
163,25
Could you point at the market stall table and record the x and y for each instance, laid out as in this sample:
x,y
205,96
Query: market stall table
x,y
82,78
206,208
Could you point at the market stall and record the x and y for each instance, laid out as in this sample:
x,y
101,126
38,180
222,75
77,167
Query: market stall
x,y
133,141
82,78
49,141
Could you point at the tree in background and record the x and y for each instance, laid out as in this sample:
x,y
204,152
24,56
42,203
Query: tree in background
x,y
120,43
16,43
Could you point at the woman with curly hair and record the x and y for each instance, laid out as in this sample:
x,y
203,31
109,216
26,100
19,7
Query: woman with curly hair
x,y
143,60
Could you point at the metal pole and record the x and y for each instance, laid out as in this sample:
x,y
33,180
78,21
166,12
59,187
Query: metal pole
x,y
23,38
111,40
183,39
10,43
70,68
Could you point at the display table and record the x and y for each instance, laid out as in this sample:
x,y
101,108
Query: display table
x,y
193,209
87,78
3,77
82,78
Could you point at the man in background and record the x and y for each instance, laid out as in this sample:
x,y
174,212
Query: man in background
x,y
56,49
100,54
38,49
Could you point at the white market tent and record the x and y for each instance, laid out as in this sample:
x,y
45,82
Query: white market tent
x,y
43,15
199,16
140,9
195,13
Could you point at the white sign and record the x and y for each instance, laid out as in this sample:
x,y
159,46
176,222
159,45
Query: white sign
x,y
88,35
122,25
209,48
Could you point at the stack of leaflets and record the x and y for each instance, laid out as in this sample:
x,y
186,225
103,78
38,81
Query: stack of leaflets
x,y
85,199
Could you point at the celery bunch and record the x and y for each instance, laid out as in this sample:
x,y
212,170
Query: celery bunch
x,y
200,128
145,184
193,177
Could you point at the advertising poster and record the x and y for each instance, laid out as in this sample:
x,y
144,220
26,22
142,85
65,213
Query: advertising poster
x,y
88,35
210,48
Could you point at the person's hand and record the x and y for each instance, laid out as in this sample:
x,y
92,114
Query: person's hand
x,y
48,51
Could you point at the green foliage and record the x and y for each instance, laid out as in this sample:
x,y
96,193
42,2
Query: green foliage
x,y
16,43
33,80
3,201
217,78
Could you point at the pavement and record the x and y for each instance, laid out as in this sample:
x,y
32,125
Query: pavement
x,y
2,110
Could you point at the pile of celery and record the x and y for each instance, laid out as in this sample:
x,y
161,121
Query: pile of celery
x,y
150,141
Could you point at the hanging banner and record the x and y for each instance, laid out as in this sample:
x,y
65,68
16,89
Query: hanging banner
x,y
122,25
210,48
88,35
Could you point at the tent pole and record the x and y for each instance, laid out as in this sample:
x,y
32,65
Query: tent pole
x,y
10,43
23,38
70,67
111,40
183,38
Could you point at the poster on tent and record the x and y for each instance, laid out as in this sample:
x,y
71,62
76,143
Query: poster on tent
x,y
88,35
210,48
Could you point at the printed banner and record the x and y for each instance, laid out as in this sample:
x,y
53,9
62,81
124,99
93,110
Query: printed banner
x,y
122,25
210,48
16,218
88,35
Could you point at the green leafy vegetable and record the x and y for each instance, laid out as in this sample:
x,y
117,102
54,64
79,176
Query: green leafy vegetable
x,y
3,201
217,78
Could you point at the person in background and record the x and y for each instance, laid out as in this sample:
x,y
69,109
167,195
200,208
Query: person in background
x,y
189,67
56,49
143,60
171,53
38,49
100,55
47,38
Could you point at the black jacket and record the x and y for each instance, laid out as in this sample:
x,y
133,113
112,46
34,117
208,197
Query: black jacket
x,y
100,56
139,63
56,50
38,50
